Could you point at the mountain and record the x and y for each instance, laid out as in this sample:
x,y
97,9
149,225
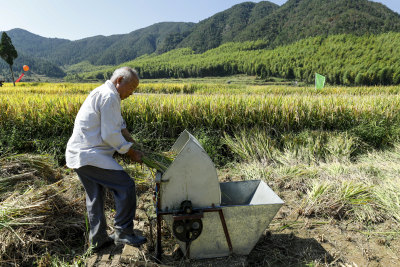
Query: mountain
x,y
34,45
298,19
98,50
226,26
115,49
274,25
295,20
33,50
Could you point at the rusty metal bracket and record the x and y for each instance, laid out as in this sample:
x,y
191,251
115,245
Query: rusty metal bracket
x,y
223,222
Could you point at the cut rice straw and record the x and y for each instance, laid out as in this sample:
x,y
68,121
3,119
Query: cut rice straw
x,y
158,161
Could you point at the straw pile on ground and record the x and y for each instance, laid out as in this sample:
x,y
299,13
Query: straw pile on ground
x,y
40,212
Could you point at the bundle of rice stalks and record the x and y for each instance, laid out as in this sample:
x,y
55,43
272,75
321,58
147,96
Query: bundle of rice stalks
x,y
28,210
158,161
43,219
347,199
43,165
20,172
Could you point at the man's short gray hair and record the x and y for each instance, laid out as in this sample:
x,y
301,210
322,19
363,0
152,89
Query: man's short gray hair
x,y
128,74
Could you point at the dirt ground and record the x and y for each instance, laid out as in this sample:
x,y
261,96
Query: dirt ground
x,y
289,240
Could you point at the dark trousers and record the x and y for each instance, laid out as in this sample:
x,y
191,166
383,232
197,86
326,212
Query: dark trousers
x,y
95,180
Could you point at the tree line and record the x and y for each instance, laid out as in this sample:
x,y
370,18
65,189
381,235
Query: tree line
x,y
344,59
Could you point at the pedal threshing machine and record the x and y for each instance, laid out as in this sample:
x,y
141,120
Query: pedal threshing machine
x,y
210,219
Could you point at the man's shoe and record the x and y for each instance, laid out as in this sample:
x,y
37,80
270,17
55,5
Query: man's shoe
x,y
129,239
100,245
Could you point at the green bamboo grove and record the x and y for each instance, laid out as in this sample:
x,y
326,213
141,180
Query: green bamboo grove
x,y
343,59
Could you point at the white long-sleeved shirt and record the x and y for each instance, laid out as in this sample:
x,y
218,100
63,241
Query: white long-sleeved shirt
x,y
97,131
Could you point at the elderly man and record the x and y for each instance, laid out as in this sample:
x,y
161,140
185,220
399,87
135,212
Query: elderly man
x,y
99,131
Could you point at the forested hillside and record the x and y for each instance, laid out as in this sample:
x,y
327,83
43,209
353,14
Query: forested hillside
x,y
40,66
115,49
226,26
47,55
344,59
293,21
269,27
298,19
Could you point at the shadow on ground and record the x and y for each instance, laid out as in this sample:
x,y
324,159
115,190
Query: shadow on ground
x,y
287,250
271,250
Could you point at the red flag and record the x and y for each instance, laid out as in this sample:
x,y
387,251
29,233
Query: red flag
x,y
20,77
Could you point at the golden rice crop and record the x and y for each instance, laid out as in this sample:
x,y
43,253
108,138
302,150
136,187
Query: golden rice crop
x,y
200,88
173,113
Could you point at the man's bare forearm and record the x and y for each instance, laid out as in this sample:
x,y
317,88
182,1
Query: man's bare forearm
x,y
133,153
125,133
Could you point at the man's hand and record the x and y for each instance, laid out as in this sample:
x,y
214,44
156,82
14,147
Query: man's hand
x,y
135,155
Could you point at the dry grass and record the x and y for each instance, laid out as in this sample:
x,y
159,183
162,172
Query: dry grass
x,y
45,224
327,180
20,172
40,216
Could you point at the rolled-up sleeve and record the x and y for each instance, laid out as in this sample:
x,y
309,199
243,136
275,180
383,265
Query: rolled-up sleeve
x,y
111,123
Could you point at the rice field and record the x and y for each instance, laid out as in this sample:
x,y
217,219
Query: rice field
x,y
330,154
52,108
39,117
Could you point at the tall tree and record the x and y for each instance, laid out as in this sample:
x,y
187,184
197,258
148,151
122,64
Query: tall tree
x,y
8,52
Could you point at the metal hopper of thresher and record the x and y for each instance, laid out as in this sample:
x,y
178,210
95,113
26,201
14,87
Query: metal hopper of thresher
x,y
210,219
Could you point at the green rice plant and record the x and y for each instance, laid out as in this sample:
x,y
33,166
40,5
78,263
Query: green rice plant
x,y
306,146
355,193
318,190
318,200
154,164
335,169
251,145
382,169
294,171
359,202
341,147
388,197
255,170
340,200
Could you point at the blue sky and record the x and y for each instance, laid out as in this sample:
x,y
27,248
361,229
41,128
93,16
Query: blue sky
x,y
77,19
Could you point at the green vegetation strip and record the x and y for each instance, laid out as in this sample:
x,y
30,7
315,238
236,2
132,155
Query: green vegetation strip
x,y
344,59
